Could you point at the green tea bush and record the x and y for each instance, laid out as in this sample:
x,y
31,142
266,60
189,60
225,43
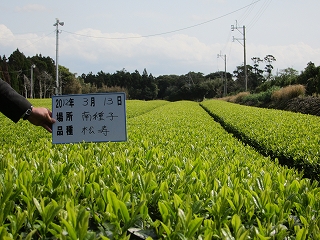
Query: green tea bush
x,y
291,137
180,175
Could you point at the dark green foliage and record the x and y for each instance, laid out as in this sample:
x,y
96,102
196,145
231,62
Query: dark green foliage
x,y
16,70
310,77
259,98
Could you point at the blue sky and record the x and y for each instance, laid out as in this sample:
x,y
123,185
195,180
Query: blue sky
x,y
165,37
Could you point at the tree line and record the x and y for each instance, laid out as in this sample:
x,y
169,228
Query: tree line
x,y
17,69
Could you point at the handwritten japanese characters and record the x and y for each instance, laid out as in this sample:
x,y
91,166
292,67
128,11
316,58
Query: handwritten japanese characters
x,y
89,118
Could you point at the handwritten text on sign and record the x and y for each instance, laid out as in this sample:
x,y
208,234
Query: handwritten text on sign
x,y
89,118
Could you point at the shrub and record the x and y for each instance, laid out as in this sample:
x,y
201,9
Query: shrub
x,y
289,92
238,98
262,97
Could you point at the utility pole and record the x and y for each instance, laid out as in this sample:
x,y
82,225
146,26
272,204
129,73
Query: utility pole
x,y
224,57
243,32
58,90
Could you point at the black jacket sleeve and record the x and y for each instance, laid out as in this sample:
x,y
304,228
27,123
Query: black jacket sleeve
x,y
12,104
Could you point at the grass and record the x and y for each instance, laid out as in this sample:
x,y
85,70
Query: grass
x,y
273,95
287,93
236,98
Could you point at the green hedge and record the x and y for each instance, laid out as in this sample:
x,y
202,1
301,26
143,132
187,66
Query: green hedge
x,y
293,138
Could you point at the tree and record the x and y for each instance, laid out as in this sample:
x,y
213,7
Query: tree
x,y
26,85
213,87
310,77
121,78
286,77
239,84
258,73
4,70
269,59
149,87
18,63
70,84
167,86
46,85
43,75
134,87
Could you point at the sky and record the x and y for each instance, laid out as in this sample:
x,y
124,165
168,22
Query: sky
x,y
164,37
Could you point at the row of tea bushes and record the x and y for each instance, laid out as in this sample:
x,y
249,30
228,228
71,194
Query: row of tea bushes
x,y
293,138
180,175
137,107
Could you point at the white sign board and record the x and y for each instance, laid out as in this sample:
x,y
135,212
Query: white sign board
x,y
89,118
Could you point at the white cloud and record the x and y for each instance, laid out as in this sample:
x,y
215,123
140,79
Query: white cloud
x,y
296,56
156,51
92,50
5,32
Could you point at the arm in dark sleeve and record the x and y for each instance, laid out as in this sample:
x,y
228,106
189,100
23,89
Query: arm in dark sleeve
x,y
12,104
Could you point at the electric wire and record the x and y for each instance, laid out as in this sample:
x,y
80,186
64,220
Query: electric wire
x,y
249,8
168,32
259,14
246,13
255,18
38,39
227,42
19,39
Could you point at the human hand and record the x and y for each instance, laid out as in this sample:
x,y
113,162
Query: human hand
x,y
41,116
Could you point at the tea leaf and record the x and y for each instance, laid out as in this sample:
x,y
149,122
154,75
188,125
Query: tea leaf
x,y
124,212
193,226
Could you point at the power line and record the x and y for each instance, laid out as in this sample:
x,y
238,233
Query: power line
x,y
168,32
37,40
259,13
246,13
227,42
25,38
21,33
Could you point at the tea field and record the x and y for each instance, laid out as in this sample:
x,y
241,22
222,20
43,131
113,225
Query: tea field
x,y
293,138
180,175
